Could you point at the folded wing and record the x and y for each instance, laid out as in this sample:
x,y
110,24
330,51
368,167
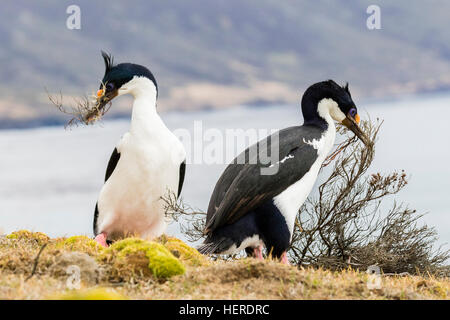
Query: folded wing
x,y
250,180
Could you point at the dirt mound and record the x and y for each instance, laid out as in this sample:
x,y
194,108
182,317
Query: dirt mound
x,y
247,269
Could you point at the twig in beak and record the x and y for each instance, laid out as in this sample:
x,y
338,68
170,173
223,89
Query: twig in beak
x,y
351,124
85,111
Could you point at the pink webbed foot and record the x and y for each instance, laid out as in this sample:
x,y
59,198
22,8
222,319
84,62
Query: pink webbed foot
x,y
284,258
257,253
101,239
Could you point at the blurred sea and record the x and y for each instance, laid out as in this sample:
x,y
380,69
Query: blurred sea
x,y
50,177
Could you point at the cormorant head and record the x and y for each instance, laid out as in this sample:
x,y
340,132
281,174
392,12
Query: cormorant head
x,y
328,99
122,79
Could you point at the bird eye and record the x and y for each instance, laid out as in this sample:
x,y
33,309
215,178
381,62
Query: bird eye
x,y
110,86
353,112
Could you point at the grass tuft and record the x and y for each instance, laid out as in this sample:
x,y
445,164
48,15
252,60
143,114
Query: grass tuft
x,y
79,243
38,237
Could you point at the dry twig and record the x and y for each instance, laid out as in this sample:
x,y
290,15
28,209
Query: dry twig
x,y
193,220
84,111
36,261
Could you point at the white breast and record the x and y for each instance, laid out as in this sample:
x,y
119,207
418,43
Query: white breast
x,y
130,201
290,200
150,157
250,242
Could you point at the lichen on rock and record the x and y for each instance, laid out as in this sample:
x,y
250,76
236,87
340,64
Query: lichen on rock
x,y
89,294
184,252
140,257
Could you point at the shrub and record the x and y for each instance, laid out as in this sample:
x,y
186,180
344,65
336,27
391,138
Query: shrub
x,y
344,225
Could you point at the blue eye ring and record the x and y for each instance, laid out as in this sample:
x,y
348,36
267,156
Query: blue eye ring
x,y
352,112
109,86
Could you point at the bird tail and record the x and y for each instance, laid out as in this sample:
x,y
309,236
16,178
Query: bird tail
x,y
215,246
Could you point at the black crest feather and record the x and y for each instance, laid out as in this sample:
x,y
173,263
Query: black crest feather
x,y
347,89
109,61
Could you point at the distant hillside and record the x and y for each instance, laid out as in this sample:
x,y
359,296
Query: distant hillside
x,y
220,53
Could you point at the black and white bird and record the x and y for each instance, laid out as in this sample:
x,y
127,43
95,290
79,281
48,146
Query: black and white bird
x,y
148,162
254,203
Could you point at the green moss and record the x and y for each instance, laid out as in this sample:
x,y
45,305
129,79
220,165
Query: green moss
x,y
38,237
79,243
154,256
184,252
90,294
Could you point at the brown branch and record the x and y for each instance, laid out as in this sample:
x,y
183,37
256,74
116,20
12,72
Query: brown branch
x,y
36,261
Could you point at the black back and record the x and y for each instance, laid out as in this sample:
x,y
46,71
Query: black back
x,y
242,187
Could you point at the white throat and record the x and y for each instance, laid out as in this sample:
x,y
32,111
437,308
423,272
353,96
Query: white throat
x,y
291,199
144,118
329,110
